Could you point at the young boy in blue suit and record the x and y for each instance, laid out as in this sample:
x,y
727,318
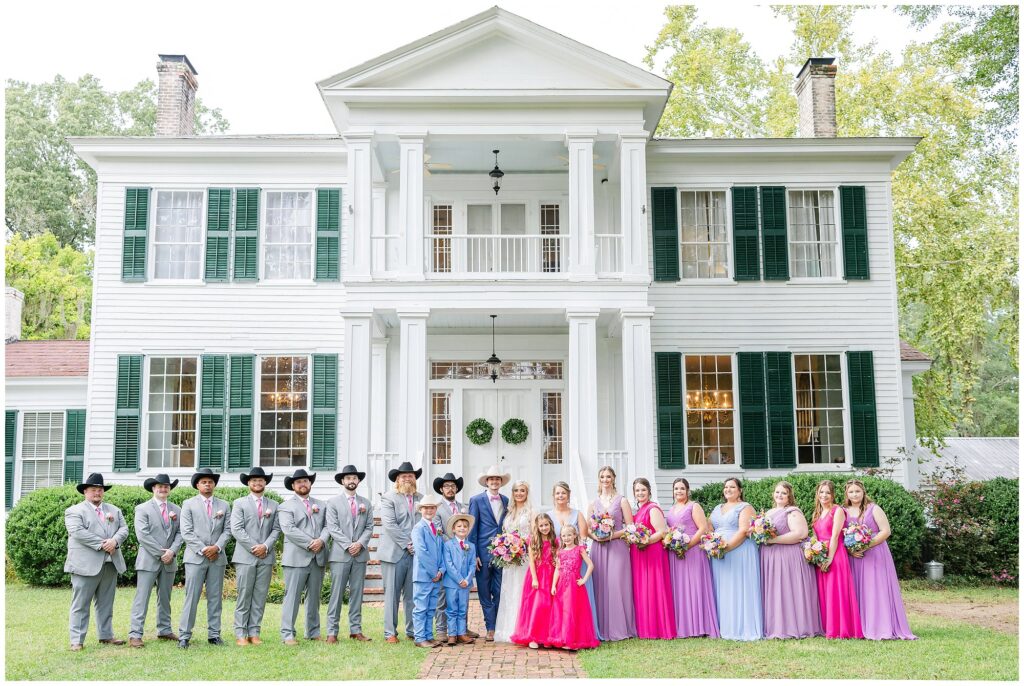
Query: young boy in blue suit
x,y
459,569
427,571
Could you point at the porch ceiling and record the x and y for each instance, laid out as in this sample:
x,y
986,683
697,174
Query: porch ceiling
x,y
520,155
479,322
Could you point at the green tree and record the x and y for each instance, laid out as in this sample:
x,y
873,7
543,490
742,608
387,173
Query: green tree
x,y
57,283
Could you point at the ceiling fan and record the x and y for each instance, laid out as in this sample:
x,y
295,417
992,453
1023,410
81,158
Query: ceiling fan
x,y
599,166
428,165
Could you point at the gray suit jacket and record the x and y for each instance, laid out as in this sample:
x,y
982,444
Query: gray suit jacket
x,y
199,530
397,522
345,530
300,529
154,536
249,530
444,513
86,533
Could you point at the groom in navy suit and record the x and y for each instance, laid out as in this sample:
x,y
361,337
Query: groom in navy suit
x,y
489,510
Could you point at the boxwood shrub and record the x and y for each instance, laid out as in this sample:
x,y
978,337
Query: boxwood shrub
x,y
1002,507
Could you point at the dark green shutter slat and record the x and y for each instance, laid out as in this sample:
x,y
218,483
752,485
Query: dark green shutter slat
x,y
753,411
863,416
669,392
778,373
247,230
10,443
665,232
744,233
218,233
853,207
240,414
211,412
773,230
328,233
136,223
325,412
74,446
128,418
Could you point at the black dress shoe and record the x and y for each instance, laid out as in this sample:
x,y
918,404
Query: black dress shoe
x,y
215,641
183,643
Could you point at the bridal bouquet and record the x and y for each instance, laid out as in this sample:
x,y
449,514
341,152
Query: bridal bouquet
x,y
762,529
676,541
857,538
602,524
815,551
507,549
712,544
636,534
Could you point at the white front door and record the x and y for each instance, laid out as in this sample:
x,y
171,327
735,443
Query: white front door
x,y
497,406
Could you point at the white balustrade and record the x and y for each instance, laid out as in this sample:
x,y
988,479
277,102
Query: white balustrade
x,y
386,254
608,248
377,465
497,255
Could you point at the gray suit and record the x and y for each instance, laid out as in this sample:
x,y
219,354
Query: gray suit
x,y
303,570
253,573
154,538
444,513
200,530
397,520
345,568
93,571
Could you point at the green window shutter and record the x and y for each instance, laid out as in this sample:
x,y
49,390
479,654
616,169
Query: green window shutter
x,y
218,233
211,412
74,446
744,233
773,230
240,414
668,376
853,207
328,233
136,223
10,442
247,233
665,231
860,367
128,417
753,411
778,373
325,412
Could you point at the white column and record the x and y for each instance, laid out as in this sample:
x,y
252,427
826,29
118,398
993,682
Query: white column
x,y
581,431
410,202
355,386
360,200
412,403
379,396
632,205
638,390
581,204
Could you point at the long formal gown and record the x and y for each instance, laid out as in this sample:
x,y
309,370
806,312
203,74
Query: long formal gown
x,y
652,586
613,580
840,615
534,621
574,518
512,582
737,581
788,586
572,625
693,591
882,615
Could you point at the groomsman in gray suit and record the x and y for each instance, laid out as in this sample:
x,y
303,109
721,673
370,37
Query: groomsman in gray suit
x,y
95,534
303,521
255,530
350,524
398,516
205,526
447,486
157,530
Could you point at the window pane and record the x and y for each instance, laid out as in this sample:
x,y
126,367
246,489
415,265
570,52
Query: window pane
x,y
171,416
177,233
819,410
284,414
288,246
709,409
551,421
812,234
703,235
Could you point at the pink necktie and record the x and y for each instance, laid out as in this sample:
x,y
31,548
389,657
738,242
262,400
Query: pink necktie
x,y
209,508
259,508
309,512
352,505
410,502
99,514
455,508
432,529
163,513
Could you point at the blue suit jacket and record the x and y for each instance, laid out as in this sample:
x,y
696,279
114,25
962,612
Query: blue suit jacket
x,y
485,527
459,564
427,559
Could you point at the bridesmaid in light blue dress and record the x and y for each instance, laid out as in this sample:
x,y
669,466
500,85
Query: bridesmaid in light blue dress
x,y
737,576
563,514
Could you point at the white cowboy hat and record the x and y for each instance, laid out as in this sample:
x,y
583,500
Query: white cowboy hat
x,y
429,500
450,525
494,470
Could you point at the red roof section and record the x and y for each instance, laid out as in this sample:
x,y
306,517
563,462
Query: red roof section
x,y
909,353
47,358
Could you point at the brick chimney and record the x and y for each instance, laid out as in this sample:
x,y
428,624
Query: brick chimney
x,y
13,302
176,96
816,98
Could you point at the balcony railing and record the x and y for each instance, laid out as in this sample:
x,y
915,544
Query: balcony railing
x,y
497,256
608,254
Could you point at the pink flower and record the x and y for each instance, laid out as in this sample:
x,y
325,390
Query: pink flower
x,y
316,509
173,516
219,514
110,517
362,508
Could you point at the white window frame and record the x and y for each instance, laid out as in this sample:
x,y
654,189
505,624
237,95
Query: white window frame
x,y
730,258
837,219
737,447
19,456
451,433
145,469
258,409
264,203
846,466
151,234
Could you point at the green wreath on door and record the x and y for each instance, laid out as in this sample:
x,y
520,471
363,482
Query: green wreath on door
x,y
479,431
514,431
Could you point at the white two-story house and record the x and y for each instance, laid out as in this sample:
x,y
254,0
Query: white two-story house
x,y
670,307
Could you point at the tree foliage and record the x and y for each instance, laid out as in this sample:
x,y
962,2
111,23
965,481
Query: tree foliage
x,y
57,283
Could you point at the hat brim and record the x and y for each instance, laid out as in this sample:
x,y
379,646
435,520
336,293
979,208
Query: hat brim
x,y
393,474
505,478
148,484
81,487
449,527
288,480
341,475
197,477
421,504
244,478
441,481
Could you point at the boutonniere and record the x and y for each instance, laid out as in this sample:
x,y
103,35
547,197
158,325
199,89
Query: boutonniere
x,y
315,509
110,517
462,544
173,516
267,513
362,508
219,514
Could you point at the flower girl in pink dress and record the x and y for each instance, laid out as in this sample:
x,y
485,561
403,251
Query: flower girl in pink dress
x,y
534,621
572,625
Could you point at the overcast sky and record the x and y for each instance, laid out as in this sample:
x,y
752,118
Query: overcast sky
x,y
259,61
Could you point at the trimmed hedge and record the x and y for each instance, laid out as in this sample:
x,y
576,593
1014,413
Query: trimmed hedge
x,y
906,516
1002,507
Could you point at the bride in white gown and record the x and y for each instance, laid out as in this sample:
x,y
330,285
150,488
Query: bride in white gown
x,y
519,517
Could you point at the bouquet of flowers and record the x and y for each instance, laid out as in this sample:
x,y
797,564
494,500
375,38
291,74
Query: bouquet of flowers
x,y
712,544
637,534
602,524
676,541
815,551
762,529
857,538
507,549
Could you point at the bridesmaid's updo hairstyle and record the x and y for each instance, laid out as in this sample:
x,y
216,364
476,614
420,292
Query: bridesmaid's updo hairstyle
x,y
561,484
846,498
817,502
681,480
739,485
602,470
643,482
791,499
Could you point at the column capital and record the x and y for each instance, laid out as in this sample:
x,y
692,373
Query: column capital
x,y
636,313
633,137
412,135
582,136
582,313
358,136
356,312
414,313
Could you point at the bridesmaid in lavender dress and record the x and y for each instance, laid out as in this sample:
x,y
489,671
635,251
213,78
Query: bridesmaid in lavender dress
x,y
788,585
613,580
882,615
693,590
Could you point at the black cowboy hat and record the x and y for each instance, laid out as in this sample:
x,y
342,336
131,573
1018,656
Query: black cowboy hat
x,y
205,472
257,472
404,468
160,479
440,481
95,479
299,474
349,469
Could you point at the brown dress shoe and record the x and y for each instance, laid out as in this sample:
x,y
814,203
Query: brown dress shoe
x,y
391,639
291,642
472,634
490,637
75,647
112,641
452,641
168,637
314,638
331,640
359,637
465,638
425,644
442,637
241,641
134,642
255,640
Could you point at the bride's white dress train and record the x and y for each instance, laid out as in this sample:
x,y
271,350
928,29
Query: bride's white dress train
x,y
512,579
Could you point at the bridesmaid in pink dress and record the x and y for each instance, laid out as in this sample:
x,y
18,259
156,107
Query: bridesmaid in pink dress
x,y
837,598
652,581
534,621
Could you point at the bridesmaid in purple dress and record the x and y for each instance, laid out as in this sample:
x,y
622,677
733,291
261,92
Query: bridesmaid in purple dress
x,y
882,615
788,585
652,587
693,589
613,578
